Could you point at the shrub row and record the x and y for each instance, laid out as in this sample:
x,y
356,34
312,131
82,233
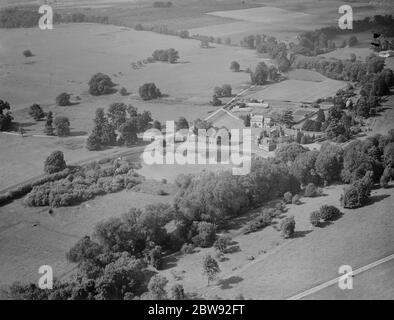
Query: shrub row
x,y
27,187
83,185
326,213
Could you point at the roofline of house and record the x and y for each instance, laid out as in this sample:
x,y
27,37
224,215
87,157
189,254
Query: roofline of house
x,y
222,109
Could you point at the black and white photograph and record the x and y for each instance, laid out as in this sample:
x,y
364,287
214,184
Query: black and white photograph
x,y
215,151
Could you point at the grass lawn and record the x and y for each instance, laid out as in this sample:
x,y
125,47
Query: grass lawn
x,y
374,284
291,266
30,237
85,49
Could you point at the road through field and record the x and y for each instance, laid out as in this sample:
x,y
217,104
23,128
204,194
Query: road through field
x,y
358,238
336,280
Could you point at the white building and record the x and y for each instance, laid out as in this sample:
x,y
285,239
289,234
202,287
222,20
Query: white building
x,y
386,54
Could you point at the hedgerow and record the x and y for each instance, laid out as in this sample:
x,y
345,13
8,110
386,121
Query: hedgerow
x,y
83,185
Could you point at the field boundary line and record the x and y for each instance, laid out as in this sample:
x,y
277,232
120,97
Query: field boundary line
x,y
336,280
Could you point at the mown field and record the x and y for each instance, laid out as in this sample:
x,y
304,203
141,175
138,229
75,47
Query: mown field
x,y
283,268
66,65
302,86
30,237
85,49
283,19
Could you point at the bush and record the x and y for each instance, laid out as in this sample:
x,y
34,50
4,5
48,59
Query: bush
x,y
222,243
123,91
48,125
154,257
311,190
356,195
206,234
352,41
100,84
184,34
259,223
63,99
386,177
216,102
27,54
36,112
93,143
149,91
315,218
5,115
55,162
280,206
62,126
226,90
156,287
287,227
187,248
235,66
84,249
287,197
296,200
177,292
60,190
166,55
329,213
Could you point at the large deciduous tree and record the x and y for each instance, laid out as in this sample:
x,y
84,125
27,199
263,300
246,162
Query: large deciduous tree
x,y
100,84
55,162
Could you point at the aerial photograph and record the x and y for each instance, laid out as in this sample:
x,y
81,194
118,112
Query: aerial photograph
x,y
203,150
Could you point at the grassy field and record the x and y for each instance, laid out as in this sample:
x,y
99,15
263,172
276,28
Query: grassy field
x,y
182,15
375,284
294,89
282,268
85,49
283,19
385,121
30,237
67,65
64,60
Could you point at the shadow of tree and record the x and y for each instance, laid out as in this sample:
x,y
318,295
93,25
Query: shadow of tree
x,y
169,262
300,234
24,124
227,283
233,249
78,133
377,198
73,104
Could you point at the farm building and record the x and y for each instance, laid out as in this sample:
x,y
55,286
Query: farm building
x,y
258,105
256,121
386,54
260,121
267,144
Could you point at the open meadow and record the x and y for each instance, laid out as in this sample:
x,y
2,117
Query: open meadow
x,y
85,49
283,19
301,86
282,268
305,207
30,237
